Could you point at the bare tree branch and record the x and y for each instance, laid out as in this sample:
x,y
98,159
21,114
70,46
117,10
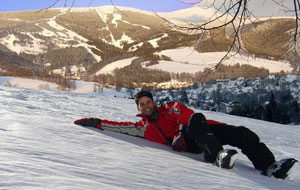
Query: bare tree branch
x,y
235,15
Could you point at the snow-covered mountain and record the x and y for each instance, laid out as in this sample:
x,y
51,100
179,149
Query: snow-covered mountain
x,y
41,148
194,14
82,42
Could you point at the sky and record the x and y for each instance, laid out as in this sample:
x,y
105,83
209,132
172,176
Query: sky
x,y
258,7
150,5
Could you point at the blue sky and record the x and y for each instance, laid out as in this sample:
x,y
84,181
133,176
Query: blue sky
x,y
150,5
258,7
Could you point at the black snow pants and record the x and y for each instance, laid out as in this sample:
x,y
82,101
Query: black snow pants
x,y
209,138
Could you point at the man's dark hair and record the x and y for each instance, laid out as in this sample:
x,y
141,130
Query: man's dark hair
x,y
141,94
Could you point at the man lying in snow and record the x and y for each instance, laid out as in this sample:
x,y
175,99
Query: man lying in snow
x,y
180,127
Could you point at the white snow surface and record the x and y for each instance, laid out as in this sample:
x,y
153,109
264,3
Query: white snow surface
x,y
35,48
108,69
187,59
193,14
26,83
41,148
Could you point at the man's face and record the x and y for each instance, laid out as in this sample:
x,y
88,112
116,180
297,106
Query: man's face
x,y
146,106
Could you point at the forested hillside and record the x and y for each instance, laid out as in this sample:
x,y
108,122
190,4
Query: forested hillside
x,y
273,98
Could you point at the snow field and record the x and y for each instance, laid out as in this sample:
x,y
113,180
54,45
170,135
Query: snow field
x,y
42,149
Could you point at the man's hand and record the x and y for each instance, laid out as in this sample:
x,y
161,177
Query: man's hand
x,y
89,122
179,143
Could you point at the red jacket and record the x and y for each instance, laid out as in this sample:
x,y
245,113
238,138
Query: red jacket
x,y
171,116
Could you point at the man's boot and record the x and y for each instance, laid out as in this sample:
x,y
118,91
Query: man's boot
x,y
280,169
226,158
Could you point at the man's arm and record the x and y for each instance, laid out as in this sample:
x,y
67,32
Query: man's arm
x,y
133,129
180,112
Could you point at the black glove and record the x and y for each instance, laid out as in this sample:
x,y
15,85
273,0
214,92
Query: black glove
x,y
179,143
89,122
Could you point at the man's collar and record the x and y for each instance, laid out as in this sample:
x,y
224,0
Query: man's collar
x,y
140,115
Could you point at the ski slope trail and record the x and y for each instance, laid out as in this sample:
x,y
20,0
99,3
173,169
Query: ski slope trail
x,y
41,148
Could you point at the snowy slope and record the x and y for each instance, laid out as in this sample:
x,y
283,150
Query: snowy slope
x,y
193,14
188,60
108,69
27,83
42,149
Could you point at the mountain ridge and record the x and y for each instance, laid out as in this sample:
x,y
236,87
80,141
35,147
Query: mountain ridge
x,y
90,38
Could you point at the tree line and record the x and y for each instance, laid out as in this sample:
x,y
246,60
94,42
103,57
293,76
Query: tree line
x,y
273,100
